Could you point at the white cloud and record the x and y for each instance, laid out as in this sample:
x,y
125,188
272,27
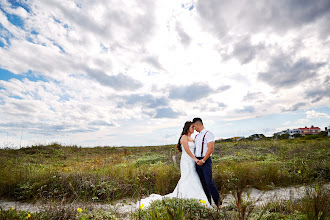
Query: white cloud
x,y
314,114
310,115
302,121
287,123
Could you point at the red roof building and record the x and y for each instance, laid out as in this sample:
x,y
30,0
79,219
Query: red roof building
x,y
311,130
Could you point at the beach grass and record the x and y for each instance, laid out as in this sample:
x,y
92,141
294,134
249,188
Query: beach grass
x,y
105,174
108,173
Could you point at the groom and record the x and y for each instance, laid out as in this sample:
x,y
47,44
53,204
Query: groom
x,y
204,142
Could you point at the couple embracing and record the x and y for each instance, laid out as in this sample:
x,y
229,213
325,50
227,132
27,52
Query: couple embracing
x,y
195,167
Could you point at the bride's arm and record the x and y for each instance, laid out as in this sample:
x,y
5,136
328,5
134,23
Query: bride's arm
x,y
184,142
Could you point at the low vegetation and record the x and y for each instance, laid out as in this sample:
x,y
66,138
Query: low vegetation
x,y
105,174
59,212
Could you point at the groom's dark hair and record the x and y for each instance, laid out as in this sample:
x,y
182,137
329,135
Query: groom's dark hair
x,y
197,119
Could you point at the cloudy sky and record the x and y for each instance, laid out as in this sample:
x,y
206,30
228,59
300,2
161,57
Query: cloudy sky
x,y
126,72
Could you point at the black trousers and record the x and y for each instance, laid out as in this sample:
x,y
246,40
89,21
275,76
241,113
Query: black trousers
x,y
205,175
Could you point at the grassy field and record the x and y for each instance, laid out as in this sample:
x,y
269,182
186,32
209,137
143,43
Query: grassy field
x,y
105,174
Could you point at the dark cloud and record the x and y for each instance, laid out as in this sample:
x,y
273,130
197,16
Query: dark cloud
x,y
219,107
153,61
84,130
283,15
44,128
223,88
320,92
101,123
138,27
252,96
191,92
195,91
167,113
24,106
246,109
13,125
254,16
245,52
212,18
283,72
295,107
185,39
119,82
85,108
145,100
324,27
222,105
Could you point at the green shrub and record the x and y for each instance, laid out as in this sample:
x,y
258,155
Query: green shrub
x,y
13,214
316,203
173,208
58,211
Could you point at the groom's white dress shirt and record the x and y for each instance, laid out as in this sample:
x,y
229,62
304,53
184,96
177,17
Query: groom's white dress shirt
x,y
209,137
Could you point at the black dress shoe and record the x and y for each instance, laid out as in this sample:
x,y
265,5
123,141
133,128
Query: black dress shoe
x,y
219,204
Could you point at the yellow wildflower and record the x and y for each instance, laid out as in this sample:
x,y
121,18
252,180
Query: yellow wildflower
x,y
11,208
202,201
141,206
28,216
299,171
79,210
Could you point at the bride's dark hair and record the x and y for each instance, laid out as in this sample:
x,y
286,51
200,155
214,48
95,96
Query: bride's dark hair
x,y
184,132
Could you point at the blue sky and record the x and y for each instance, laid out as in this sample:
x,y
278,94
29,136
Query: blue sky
x,y
130,73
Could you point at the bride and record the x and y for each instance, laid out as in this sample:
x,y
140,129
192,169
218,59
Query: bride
x,y
189,185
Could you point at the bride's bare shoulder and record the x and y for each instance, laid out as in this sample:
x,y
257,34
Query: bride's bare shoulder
x,y
184,138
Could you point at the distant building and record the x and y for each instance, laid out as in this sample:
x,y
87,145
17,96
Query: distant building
x,y
291,132
280,133
311,130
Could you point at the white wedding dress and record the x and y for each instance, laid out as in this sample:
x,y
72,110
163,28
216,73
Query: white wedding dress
x,y
189,185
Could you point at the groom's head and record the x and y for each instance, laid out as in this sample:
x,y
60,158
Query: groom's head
x,y
198,123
